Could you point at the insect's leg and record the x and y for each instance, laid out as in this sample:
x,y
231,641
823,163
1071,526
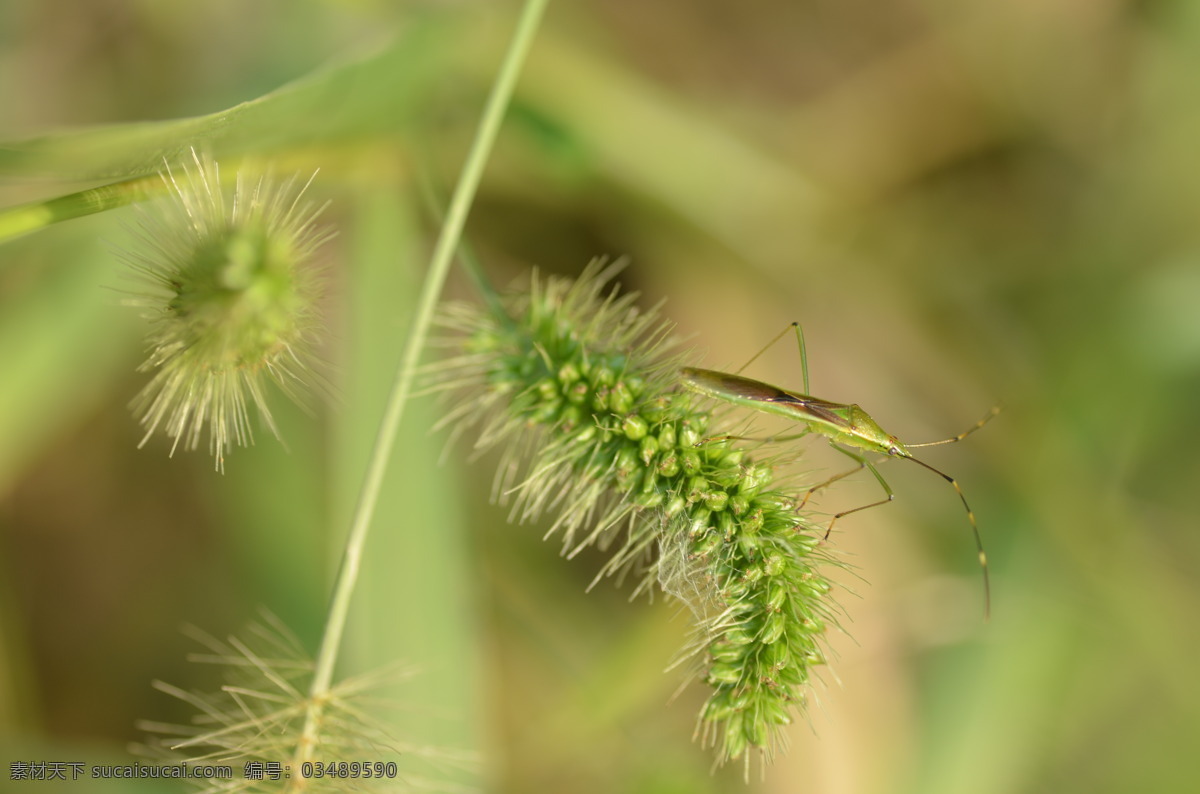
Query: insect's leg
x,y
803,354
780,439
767,440
820,486
995,410
767,347
862,463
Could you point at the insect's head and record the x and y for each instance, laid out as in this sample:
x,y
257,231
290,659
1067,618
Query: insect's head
x,y
871,436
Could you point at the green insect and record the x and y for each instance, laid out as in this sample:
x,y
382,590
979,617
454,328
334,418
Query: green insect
x,y
848,427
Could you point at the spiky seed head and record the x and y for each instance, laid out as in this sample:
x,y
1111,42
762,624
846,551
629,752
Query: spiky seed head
x,y
580,387
226,279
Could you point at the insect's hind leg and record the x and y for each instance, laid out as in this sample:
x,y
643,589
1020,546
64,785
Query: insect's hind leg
x,y
863,463
767,440
800,343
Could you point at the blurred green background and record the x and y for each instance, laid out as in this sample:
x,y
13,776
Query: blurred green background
x,y
963,203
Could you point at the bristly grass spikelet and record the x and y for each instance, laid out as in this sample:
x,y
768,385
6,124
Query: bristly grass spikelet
x,y
226,279
580,388
258,723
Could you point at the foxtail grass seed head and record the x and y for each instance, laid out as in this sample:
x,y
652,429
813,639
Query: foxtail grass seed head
x,y
580,389
225,278
275,735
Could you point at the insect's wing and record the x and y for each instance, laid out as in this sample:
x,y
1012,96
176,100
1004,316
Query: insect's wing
x,y
725,386
817,410
772,399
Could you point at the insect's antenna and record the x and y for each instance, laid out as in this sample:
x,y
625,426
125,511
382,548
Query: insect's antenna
x,y
995,410
983,566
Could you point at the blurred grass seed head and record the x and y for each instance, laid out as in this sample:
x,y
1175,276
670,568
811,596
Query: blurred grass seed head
x,y
225,278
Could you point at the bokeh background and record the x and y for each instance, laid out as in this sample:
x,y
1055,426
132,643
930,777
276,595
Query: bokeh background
x,y
964,203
